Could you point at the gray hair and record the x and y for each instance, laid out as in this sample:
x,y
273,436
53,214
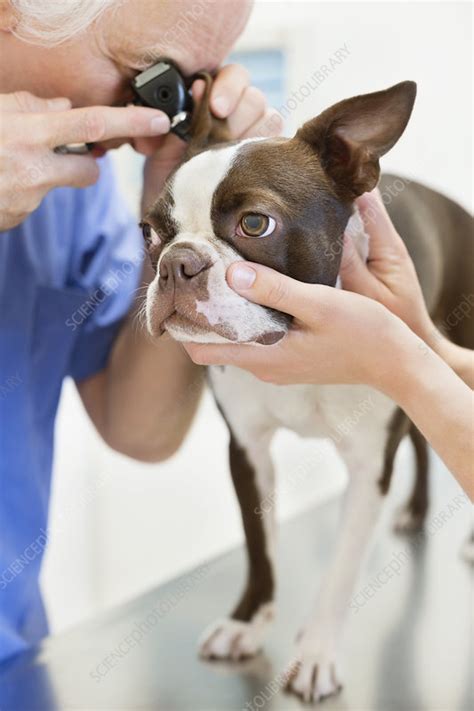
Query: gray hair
x,y
51,22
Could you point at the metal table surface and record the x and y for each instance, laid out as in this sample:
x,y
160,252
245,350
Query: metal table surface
x,y
407,647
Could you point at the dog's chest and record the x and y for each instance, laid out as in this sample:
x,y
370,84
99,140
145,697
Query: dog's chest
x,y
339,412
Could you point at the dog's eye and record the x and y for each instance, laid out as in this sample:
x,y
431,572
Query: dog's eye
x,y
253,224
149,235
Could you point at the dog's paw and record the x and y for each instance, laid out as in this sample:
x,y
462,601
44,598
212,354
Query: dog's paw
x,y
407,521
235,640
312,678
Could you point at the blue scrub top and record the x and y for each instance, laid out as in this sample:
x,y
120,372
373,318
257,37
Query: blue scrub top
x,y
67,277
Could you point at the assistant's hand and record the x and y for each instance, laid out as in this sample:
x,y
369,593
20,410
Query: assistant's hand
x,y
232,97
389,275
336,336
30,128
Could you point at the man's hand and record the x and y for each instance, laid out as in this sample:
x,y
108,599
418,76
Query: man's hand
x,y
232,98
244,106
30,129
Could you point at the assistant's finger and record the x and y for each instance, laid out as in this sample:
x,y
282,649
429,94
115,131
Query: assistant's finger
x,y
378,225
355,276
100,123
248,357
228,87
270,288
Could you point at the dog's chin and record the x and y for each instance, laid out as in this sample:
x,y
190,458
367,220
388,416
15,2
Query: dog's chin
x,y
182,329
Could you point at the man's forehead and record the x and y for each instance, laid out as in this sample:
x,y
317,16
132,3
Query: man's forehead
x,y
195,35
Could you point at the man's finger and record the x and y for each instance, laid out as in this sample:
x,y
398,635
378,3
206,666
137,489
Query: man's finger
x,y
24,102
100,123
71,171
270,288
271,124
228,87
250,109
198,88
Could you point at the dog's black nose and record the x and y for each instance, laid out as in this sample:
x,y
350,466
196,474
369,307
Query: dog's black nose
x,y
182,264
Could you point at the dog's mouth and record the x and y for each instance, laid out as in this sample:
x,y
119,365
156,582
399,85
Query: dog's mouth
x,y
177,319
183,328
195,327
184,324
211,315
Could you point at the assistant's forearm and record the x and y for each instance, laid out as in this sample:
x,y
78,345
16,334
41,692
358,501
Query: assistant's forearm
x,y
461,360
440,404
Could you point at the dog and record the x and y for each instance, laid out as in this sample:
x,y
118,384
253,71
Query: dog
x,y
285,203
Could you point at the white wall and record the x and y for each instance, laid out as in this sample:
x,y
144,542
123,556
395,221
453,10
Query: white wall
x,y
119,527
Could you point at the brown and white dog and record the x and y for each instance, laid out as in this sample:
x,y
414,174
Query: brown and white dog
x,y
285,203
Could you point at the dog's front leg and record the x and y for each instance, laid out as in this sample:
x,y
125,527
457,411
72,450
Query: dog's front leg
x,y
241,634
312,674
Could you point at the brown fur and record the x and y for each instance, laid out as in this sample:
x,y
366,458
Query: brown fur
x,y
352,135
206,130
418,501
260,583
439,236
310,217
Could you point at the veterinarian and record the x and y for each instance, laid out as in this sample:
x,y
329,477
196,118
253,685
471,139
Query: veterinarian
x,y
376,331
71,259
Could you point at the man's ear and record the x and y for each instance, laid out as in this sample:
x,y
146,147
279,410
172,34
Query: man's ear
x,y
206,129
352,135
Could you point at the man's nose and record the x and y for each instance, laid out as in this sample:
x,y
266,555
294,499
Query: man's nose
x,y
181,266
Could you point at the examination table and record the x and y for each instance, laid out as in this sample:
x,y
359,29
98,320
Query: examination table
x,y
407,644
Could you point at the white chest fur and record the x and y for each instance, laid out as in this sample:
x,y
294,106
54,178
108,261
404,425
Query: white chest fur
x,y
353,416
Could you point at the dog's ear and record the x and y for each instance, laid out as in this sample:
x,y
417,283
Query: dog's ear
x,y
206,129
352,135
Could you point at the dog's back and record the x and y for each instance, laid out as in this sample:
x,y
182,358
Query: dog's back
x,y
439,235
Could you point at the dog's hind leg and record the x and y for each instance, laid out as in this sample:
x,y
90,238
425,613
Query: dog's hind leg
x,y
241,634
412,515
